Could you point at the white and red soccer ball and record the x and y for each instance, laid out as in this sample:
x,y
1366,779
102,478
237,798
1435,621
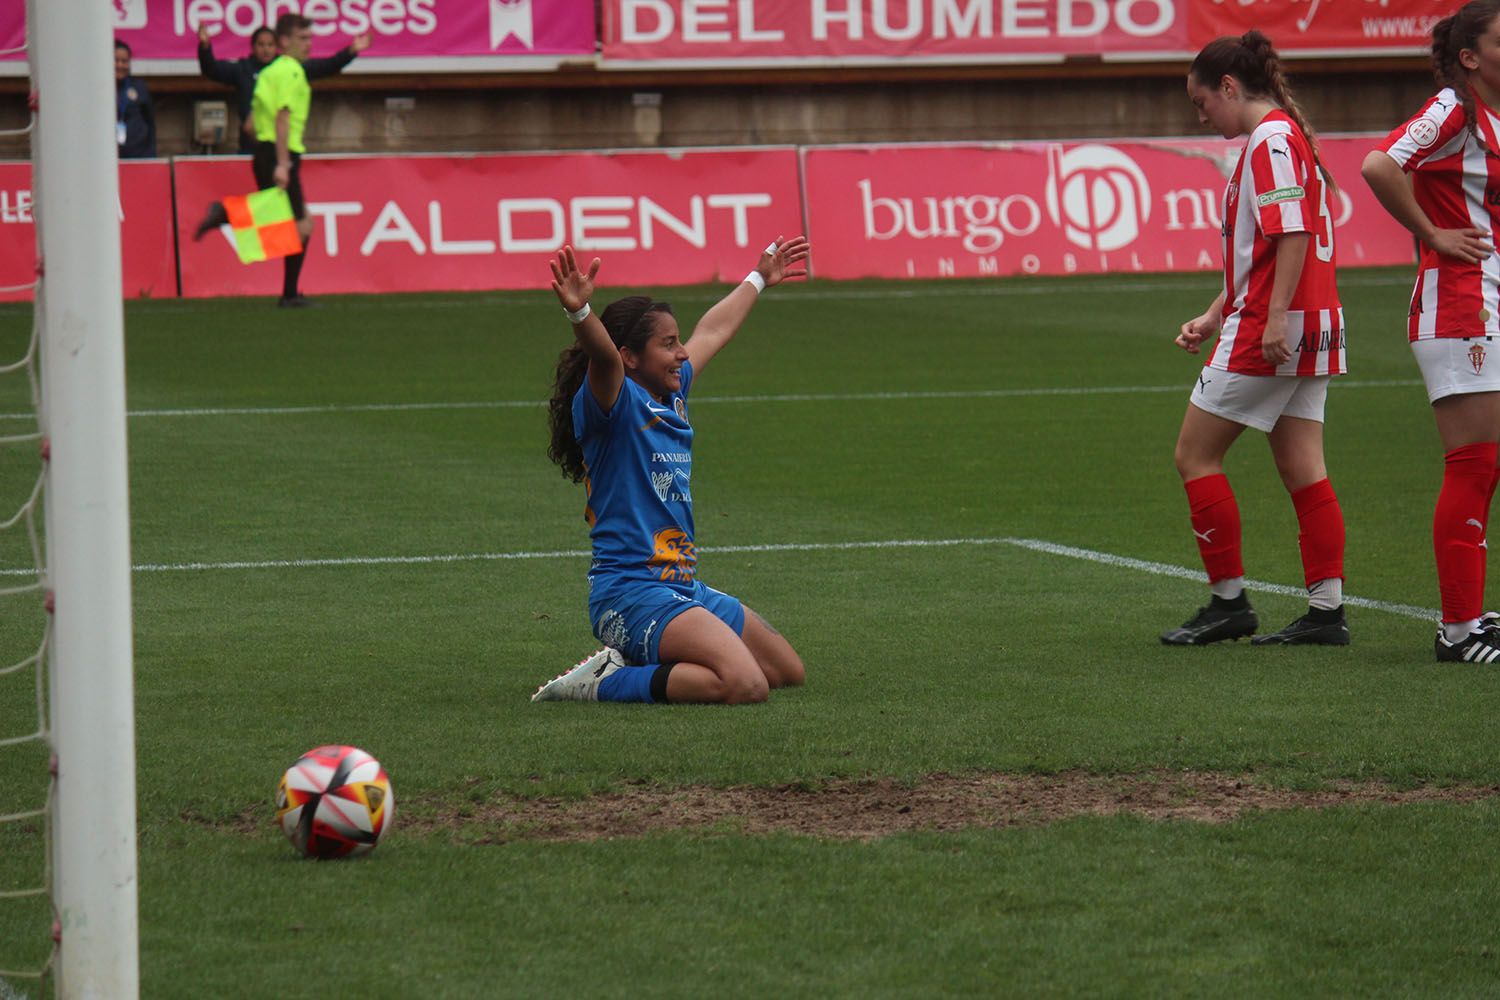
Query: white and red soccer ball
x,y
335,802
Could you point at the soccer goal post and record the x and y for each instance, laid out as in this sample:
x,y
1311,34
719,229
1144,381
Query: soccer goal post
x,y
75,177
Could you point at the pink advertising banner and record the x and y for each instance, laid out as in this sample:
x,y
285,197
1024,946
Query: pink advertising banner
x,y
974,210
771,32
1340,27
405,34
396,224
149,264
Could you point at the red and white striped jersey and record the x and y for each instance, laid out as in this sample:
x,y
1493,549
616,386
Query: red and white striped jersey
x,y
1276,190
1457,183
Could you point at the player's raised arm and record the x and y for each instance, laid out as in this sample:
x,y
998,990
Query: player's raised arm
x,y
574,288
781,260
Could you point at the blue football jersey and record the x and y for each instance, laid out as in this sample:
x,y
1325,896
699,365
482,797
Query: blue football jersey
x,y
638,460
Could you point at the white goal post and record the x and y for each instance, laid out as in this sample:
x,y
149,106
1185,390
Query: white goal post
x,y
75,177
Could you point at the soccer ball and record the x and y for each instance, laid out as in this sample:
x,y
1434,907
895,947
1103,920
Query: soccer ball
x,y
335,802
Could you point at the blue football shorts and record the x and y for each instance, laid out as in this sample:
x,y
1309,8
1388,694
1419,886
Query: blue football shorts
x,y
630,615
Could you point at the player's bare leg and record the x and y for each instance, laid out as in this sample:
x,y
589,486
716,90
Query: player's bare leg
x,y
778,660
1203,442
712,664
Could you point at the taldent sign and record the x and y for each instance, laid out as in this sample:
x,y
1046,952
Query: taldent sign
x,y
454,223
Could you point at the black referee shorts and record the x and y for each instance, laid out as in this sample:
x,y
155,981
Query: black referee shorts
x,y
264,164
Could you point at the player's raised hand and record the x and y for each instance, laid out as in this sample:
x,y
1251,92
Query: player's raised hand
x,y
573,287
360,43
780,259
202,34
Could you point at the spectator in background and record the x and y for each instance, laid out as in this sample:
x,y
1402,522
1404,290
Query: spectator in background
x,y
241,74
135,120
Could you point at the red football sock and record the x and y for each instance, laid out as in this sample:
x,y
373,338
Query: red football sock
x,y
1458,526
1320,533
1216,524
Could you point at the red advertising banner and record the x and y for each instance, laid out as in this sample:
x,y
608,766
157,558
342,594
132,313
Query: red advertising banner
x,y
1333,27
405,34
773,32
1053,208
427,223
149,263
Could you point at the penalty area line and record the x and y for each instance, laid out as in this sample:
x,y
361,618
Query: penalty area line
x,y
1033,544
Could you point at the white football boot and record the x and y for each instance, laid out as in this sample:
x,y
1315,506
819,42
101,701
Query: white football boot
x,y
582,682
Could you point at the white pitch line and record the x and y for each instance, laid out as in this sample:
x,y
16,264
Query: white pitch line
x,y
1036,545
1185,573
791,397
1015,286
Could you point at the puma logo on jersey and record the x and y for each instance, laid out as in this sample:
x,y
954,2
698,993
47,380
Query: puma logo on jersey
x,y
1283,152
1203,383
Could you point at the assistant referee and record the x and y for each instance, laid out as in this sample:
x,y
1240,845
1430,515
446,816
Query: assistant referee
x,y
279,110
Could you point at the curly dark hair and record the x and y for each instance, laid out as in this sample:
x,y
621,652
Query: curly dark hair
x,y
1252,60
631,323
1451,36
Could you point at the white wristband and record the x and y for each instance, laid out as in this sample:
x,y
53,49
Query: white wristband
x,y
756,281
578,317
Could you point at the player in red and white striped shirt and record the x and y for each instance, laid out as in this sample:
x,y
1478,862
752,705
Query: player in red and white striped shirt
x,y
1451,152
1281,338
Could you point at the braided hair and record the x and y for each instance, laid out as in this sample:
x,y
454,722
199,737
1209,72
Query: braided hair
x,y
1252,60
631,322
1450,37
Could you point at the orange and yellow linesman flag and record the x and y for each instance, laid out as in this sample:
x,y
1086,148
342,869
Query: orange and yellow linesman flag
x,y
263,225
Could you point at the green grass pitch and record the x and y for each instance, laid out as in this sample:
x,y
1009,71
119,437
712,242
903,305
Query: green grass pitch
x,y
346,530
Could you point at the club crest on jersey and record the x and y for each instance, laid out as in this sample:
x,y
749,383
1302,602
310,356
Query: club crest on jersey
x,y
1476,357
672,556
680,407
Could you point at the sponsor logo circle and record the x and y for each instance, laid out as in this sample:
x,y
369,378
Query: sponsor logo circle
x,y
1422,132
1098,195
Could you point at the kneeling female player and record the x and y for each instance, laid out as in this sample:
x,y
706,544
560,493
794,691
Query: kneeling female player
x,y
619,420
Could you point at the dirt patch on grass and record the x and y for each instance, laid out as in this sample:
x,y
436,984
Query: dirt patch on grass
x,y
864,810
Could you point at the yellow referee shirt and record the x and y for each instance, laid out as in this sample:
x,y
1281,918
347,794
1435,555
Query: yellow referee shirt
x,y
282,84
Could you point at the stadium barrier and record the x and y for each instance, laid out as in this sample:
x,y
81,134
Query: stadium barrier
x,y
684,216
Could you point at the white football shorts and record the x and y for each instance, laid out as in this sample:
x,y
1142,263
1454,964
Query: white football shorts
x,y
1260,400
1452,366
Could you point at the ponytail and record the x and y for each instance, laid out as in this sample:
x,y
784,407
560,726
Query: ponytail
x,y
1253,60
1450,37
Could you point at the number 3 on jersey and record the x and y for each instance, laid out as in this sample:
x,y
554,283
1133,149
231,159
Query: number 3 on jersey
x,y
1323,241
